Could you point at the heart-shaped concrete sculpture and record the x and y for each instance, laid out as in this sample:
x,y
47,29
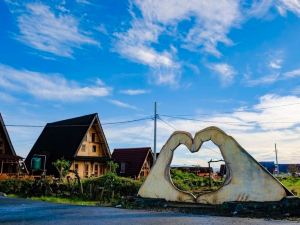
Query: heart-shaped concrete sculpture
x,y
246,179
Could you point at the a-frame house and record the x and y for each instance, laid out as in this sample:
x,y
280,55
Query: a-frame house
x,y
9,161
80,140
133,162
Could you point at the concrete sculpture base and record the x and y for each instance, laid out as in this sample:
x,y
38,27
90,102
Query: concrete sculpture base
x,y
246,179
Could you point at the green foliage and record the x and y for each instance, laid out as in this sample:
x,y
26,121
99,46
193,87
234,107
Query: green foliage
x,y
63,200
112,166
62,167
291,183
191,182
119,186
16,186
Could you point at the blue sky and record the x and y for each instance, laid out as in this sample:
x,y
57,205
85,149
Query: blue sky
x,y
232,64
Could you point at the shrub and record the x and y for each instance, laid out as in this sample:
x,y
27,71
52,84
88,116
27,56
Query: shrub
x,y
187,181
112,183
16,186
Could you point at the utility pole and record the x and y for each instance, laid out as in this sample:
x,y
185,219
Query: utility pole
x,y
277,166
154,139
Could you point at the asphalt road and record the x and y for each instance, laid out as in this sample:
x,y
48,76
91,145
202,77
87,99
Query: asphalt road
x,y
21,212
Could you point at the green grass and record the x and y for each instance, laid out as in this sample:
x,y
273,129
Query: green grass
x,y
190,182
60,200
292,184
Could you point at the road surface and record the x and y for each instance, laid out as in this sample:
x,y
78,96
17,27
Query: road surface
x,y
23,212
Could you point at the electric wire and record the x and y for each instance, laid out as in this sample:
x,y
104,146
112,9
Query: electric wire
x,y
167,123
78,125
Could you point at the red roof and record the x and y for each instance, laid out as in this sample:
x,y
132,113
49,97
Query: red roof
x,y
133,159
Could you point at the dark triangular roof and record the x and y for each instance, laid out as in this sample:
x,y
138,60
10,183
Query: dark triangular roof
x,y
3,129
63,139
134,159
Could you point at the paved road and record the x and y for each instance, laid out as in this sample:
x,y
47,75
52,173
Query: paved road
x,y
22,212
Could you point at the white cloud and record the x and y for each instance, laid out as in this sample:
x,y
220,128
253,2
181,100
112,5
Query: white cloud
x,y
212,21
292,74
259,8
51,32
275,64
256,129
122,104
134,91
288,5
263,80
47,86
4,97
225,72
209,26
135,45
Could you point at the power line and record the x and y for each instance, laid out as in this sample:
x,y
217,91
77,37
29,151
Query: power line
x,y
210,121
247,124
128,121
241,110
167,123
78,125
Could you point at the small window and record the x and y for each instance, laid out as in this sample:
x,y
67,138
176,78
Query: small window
x,y
93,137
122,169
96,172
94,148
76,166
83,148
86,170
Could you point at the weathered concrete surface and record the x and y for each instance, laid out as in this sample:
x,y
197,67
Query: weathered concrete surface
x,y
288,207
246,179
27,212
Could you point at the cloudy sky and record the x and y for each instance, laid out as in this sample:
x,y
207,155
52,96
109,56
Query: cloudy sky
x,y
228,63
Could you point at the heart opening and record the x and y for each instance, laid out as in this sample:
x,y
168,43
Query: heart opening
x,y
201,172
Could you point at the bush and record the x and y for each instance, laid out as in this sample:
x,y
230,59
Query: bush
x,y
112,183
115,187
16,186
187,181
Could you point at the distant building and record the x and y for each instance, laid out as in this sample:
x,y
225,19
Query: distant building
x,y
9,160
133,162
283,168
198,170
222,171
289,168
268,165
80,140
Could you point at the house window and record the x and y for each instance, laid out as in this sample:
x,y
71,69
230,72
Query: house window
x,y
96,172
93,137
122,169
101,169
94,148
86,170
76,166
142,174
83,148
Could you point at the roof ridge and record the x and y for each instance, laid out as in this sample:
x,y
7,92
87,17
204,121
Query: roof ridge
x,y
74,118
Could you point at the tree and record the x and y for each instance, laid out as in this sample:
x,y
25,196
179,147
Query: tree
x,y
112,167
62,167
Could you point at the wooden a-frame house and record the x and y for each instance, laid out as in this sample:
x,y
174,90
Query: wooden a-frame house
x,y
80,140
9,161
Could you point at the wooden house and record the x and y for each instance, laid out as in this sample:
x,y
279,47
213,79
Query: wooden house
x,y
197,170
9,161
79,140
133,162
